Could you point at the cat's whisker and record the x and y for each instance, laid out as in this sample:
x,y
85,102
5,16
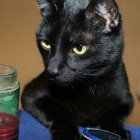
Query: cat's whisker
x,y
92,91
83,79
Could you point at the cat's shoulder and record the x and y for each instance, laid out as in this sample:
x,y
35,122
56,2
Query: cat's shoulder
x,y
37,83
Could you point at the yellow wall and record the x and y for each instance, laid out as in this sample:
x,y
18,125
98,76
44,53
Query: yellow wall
x,y
19,20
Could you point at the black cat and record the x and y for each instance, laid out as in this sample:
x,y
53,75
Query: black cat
x,y
84,82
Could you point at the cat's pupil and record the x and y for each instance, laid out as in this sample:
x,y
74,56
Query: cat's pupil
x,y
79,47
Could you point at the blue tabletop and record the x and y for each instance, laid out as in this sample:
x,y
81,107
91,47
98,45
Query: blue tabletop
x,y
31,129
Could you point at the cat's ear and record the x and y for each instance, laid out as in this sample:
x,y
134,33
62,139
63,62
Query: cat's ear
x,y
47,7
107,10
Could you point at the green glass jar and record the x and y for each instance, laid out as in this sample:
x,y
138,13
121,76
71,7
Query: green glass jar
x,y
9,90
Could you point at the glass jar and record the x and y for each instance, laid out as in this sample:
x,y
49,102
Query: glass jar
x,y
9,127
9,90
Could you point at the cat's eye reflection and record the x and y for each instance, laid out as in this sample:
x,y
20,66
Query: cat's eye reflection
x,y
45,46
80,51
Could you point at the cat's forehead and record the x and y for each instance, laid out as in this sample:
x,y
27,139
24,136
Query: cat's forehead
x,y
74,6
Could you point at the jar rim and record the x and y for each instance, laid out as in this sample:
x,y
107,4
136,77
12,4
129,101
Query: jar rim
x,y
6,70
7,73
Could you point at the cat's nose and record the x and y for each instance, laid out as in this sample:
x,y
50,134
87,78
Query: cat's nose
x,y
53,68
53,72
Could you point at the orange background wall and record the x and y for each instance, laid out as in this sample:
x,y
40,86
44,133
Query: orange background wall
x,y
19,20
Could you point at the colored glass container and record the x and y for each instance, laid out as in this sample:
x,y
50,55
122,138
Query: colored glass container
x,y
9,90
9,127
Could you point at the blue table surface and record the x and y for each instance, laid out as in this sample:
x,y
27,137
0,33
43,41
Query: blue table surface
x,y
31,129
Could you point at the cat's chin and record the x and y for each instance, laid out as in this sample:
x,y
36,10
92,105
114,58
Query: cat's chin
x,y
59,82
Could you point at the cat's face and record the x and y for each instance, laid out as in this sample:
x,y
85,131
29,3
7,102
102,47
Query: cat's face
x,y
79,39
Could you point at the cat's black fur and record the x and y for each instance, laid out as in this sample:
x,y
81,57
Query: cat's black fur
x,y
89,90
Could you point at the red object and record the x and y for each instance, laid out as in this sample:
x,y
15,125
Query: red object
x,y
9,125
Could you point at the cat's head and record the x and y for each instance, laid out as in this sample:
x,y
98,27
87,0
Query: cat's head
x,y
79,39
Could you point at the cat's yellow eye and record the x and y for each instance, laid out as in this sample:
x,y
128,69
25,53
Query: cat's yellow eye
x,y
45,46
80,50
